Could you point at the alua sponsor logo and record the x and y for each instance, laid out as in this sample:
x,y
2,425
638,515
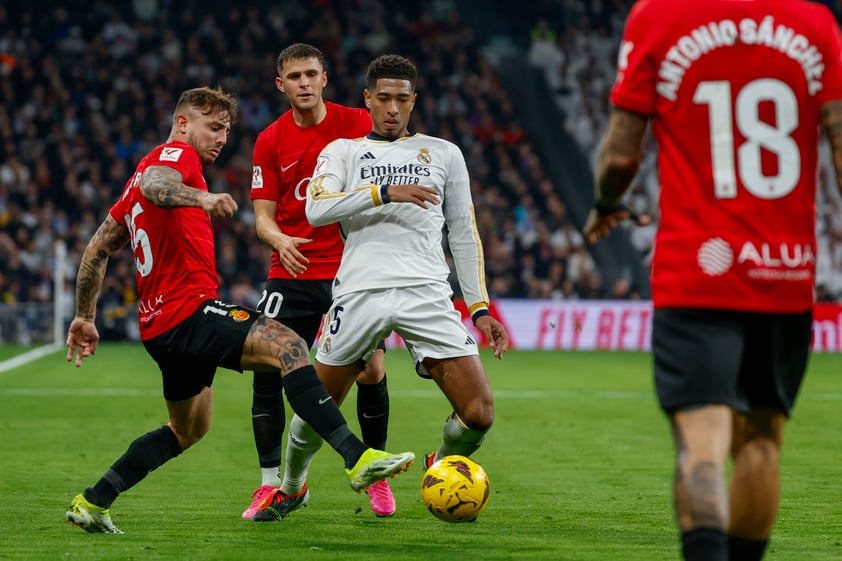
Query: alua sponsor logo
x,y
716,256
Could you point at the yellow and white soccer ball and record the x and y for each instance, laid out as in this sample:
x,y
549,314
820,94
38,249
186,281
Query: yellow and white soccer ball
x,y
455,489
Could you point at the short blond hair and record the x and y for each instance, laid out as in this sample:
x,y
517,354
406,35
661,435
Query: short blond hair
x,y
208,101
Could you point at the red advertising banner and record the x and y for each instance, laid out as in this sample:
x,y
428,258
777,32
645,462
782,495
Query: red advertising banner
x,y
827,328
610,325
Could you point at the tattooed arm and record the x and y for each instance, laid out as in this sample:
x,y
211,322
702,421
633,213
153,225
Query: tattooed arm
x,y
617,162
831,119
82,335
163,187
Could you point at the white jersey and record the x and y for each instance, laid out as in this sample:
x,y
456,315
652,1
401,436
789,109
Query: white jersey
x,y
391,245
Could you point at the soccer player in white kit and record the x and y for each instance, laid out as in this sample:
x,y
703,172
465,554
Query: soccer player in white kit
x,y
393,275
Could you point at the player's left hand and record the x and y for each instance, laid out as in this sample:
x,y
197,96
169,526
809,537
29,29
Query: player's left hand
x,y
420,195
495,334
294,261
82,339
218,205
599,224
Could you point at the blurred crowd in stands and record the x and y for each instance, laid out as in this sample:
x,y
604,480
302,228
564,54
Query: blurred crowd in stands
x,y
88,87
574,43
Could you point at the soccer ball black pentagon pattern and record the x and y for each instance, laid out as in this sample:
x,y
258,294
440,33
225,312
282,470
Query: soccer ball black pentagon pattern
x,y
455,489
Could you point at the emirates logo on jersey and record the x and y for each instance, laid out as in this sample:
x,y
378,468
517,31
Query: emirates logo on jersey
x,y
715,257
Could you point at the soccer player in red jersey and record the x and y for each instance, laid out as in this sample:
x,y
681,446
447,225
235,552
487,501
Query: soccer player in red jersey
x,y
165,212
735,92
304,263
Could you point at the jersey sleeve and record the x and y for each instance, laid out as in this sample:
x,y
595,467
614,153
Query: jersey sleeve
x,y
634,88
120,209
181,157
265,178
327,200
462,234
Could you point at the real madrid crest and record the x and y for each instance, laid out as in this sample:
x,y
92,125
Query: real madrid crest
x,y
424,156
326,345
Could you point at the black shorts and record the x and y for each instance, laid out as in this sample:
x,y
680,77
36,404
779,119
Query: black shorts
x,y
745,360
299,304
189,353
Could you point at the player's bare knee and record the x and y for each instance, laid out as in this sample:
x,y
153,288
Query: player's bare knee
x,y
292,355
189,436
478,416
759,453
272,344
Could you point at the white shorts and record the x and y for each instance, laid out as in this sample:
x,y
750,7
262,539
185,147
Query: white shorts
x,y
423,316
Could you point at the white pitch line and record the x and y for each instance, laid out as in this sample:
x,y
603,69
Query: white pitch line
x,y
29,356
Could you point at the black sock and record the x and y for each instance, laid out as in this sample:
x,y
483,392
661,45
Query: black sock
x,y
705,544
743,549
373,413
268,417
309,399
144,455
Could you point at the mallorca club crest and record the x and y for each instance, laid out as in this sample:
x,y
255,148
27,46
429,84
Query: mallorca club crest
x,y
239,314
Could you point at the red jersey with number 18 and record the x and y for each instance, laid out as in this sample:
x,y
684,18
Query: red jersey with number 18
x,y
173,248
284,158
734,90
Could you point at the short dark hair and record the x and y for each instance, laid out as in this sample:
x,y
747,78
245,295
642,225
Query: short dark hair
x,y
390,66
208,101
299,51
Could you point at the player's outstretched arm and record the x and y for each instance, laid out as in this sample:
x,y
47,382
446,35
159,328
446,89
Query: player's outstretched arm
x,y
831,118
617,163
163,187
82,336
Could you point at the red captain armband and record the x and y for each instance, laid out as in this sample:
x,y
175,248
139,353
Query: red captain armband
x,y
479,313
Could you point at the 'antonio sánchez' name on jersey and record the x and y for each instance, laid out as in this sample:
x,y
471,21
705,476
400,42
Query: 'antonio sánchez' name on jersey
x,y
398,244
734,90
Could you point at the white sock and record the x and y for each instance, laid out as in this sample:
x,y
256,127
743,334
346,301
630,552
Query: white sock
x,y
459,439
302,445
271,476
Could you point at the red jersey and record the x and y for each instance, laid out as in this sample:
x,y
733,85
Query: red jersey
x,y
733,89
173,248
284,158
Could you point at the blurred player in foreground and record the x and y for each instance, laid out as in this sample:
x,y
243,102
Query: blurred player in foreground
x,y
735,92
165,212
304,263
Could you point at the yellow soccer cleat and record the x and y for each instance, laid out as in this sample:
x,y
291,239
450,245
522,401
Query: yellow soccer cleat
x,y
90,517
375,465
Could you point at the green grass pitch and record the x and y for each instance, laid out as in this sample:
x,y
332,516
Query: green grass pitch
x,y
580,463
